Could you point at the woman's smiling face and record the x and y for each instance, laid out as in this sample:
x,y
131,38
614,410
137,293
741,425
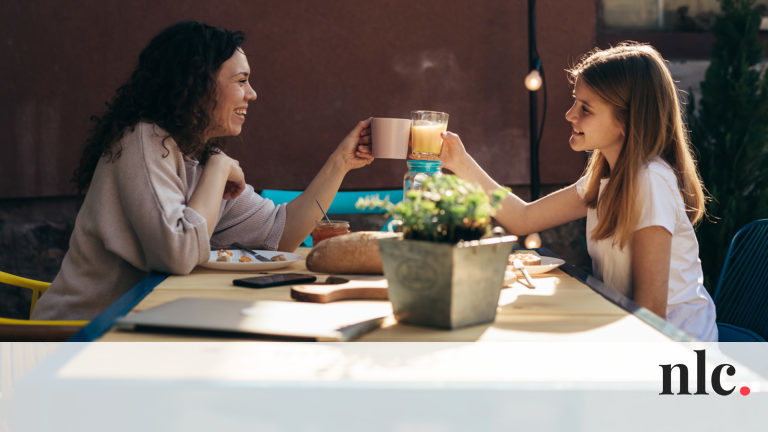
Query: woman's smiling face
x,y
233,92
594,124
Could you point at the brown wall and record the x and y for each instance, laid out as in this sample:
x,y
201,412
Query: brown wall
x,y
318,67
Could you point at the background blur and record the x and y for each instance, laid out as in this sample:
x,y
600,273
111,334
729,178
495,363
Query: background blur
x,y
318,67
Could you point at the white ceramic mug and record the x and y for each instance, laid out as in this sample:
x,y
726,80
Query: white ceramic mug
x,y
389,137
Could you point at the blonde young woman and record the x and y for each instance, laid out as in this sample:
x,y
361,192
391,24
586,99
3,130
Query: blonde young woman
x,y
641,192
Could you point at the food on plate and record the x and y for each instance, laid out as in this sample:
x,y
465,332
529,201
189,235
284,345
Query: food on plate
x,y
279,257
527,257
245,259
353,253
224,256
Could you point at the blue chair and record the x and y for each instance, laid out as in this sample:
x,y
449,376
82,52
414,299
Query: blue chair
x,y
733,333
343,202
741,295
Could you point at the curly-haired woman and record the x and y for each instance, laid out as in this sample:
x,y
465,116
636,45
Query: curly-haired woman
x,y
160,191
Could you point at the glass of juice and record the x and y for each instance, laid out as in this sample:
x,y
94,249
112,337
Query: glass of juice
x,y
426,127
326,229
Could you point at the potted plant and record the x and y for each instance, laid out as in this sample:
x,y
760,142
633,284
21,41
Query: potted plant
x,y
445,271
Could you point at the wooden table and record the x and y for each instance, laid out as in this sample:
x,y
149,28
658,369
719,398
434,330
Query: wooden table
x,y
561,308
568,355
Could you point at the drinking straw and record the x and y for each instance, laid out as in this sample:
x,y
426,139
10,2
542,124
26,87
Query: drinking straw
x,y
321,209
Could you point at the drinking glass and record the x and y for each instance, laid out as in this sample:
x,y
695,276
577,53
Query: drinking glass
x,y
426,127
326,229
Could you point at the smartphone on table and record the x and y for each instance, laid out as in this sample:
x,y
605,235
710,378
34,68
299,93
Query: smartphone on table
x,y
274,280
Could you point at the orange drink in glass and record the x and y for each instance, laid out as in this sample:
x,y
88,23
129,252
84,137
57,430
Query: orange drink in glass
x,y
327,229
426,127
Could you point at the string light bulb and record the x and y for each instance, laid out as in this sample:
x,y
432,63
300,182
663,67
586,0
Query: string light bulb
x,y
533,80
532,241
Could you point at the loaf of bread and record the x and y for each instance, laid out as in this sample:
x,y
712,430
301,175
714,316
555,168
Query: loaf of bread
x,y
353,253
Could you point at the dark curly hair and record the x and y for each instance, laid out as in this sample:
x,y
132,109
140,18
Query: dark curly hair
x,y
173,86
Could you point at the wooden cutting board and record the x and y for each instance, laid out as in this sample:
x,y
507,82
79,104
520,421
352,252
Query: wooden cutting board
x,y
357,288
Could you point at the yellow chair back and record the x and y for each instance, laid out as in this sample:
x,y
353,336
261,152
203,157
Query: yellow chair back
x,y
22,329
37,287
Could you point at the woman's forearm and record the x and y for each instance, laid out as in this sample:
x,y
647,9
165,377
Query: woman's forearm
x,y
222,178
512,213
206,200
302,212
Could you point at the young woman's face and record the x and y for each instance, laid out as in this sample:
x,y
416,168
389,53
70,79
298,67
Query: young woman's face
x,y
594,125
233,92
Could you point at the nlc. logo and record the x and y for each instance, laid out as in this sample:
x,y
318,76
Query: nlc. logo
x,y
701,384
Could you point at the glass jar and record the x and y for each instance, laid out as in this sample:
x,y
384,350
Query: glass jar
x,y
326,229
418,171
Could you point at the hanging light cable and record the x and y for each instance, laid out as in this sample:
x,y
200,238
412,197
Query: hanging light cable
x,y
534,81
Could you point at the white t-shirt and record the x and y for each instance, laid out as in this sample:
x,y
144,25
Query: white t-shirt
x,y
689,306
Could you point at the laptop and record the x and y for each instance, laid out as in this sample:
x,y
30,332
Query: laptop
x,y
264,319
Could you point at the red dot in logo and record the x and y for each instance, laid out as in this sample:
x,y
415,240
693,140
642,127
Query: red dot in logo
x,y
744,391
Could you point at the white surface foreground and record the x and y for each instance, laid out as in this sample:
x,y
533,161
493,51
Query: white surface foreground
x,y
388,386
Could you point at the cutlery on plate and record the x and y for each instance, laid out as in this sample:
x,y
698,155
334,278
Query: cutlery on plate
x,y
519,266
261,258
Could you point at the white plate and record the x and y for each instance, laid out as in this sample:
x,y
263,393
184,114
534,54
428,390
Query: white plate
x,y
547,264
253,265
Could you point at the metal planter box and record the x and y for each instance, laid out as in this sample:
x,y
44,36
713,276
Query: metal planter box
x,y
444,285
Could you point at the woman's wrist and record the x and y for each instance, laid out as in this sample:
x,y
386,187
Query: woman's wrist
x,y
216,161
336,164
463,166
222,163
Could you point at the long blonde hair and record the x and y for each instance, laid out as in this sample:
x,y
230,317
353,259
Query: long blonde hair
x,y
635,81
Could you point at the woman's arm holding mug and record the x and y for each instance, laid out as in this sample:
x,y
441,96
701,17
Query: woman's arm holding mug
x,y
353,152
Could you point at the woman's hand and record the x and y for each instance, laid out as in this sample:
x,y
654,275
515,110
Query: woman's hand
x,y
354,151
235,184
454,155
